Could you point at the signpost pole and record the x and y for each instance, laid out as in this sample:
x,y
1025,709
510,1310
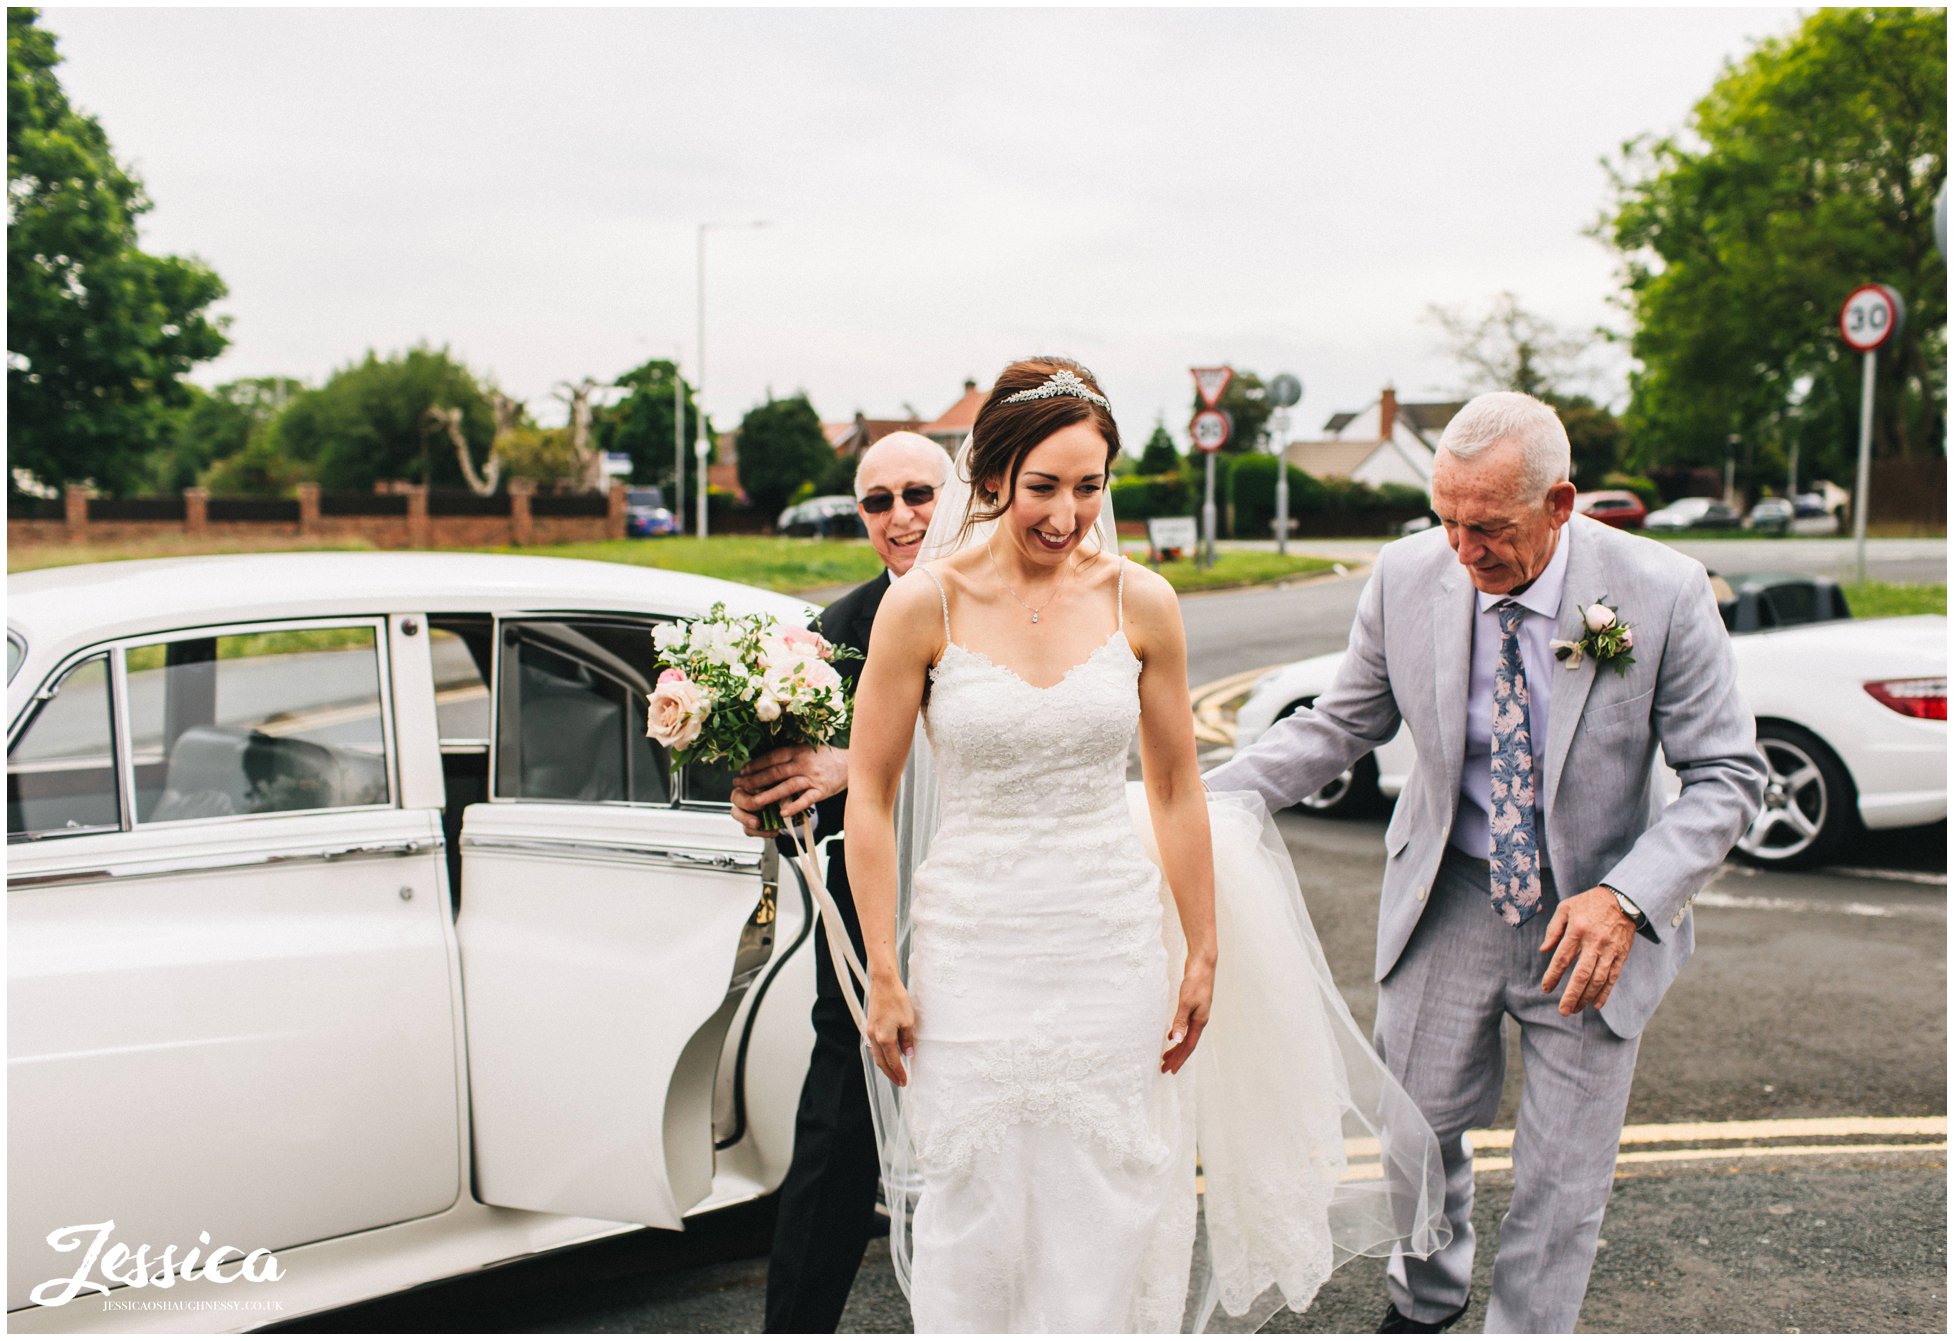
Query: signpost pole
x,y
1282,481
1862,484
1207,518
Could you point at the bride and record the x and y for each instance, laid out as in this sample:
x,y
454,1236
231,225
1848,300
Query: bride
x,y
1061,1017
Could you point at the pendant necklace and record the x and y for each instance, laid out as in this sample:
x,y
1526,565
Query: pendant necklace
x,y
1036,610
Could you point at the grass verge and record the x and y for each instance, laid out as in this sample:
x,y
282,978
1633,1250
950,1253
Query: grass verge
x,y
778,563
1873,600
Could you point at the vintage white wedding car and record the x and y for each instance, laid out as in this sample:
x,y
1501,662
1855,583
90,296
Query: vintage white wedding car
x,y
353,918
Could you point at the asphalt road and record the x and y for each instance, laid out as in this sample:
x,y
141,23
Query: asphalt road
x,y
1813,1015
1813,998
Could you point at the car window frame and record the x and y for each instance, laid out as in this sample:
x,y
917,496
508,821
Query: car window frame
x,y
678,786
389,737
45,693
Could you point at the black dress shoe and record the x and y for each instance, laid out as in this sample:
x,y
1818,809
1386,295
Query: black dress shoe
x,y
1395,1321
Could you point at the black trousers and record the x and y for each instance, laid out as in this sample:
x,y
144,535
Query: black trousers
x,y
827,1200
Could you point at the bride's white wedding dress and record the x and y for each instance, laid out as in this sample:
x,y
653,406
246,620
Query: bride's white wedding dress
x,y
1041,1169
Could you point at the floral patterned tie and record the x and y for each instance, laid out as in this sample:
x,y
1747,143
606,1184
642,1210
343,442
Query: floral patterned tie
x,y
1516,848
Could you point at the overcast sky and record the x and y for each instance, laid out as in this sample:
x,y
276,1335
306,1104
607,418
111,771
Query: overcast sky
x,y
946,190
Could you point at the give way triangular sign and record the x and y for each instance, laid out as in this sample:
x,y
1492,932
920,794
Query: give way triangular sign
x,y
1211,382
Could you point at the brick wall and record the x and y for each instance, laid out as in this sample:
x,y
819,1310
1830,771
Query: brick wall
x,y
416,530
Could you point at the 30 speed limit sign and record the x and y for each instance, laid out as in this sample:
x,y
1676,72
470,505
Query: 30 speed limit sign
x,y
1211,429
1871,316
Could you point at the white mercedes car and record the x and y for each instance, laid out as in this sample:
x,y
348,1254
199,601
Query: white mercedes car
x,y
1851,717
356,926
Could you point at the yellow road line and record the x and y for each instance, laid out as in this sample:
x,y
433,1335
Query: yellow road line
x,y
1766,1129
1211,699
1627,1159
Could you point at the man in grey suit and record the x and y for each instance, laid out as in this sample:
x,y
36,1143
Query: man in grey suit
x,y
1532,867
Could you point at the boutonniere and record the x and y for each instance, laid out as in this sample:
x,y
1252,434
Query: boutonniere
x,y
1606,639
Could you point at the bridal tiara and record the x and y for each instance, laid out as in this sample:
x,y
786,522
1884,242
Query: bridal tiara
x,y
1061,383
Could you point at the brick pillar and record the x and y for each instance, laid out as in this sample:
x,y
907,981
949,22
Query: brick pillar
x,y
1387,414
614,523
74,503
309,509
196,510
420,532
522,523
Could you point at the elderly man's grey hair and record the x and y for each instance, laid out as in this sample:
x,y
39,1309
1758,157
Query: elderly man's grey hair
x,y
916,442
1500,415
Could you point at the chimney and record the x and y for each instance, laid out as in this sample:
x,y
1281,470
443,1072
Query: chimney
x,y
969,384
1387,413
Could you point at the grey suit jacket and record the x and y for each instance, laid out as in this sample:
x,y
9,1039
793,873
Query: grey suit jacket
x,y
1409,661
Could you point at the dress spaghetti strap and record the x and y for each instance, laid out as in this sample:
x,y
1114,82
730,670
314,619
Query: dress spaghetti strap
x,y
1119,597
943,596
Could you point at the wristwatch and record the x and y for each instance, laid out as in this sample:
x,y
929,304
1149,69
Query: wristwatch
x,y
1635,914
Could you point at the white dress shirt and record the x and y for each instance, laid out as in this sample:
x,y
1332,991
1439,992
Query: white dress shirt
x,y
1472,830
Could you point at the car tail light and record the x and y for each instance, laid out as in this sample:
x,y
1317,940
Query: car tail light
x,y
1926,697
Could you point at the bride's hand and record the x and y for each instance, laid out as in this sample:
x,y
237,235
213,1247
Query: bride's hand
x,y
1191,1015
891,1027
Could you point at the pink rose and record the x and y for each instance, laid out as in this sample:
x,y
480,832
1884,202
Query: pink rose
x,y
807,641
670,675
1599,617
1628,637
677,713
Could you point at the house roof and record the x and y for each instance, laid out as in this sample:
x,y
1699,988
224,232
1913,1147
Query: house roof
x,y
959,417
1430,416
861,432
1338,422
1331,460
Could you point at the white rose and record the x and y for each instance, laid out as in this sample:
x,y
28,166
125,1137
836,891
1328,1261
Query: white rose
x,y
1599,617
766,708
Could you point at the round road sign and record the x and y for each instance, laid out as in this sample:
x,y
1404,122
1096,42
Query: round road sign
x,y
1211,429
1871,316
1285,390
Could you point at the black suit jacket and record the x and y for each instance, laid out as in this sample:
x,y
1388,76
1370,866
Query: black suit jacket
x,y
847,623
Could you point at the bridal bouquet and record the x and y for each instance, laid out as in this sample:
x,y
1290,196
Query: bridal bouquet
x,y
730,687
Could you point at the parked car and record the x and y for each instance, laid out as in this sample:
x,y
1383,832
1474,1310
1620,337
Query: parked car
x,y
828,516
1851,718
1770,514
1617,507
1811,516
1413,525
1693,514
645,513
354,918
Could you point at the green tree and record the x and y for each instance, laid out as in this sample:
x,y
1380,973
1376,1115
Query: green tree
x,y
368,421
217,425
781,448
1159,456
1809,169
1247,401
640,424
99,332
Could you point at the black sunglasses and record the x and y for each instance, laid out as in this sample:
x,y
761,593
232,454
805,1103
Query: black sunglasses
x,y
882,500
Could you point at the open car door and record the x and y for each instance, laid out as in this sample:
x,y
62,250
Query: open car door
x,y
608,929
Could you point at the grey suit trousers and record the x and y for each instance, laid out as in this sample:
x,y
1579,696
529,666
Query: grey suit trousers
x,y
1441,1030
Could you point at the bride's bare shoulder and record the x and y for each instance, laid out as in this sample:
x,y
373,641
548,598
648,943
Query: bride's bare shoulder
x,y
1153,610
912,609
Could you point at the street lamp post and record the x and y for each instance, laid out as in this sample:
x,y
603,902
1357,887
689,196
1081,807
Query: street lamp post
x,y
702,448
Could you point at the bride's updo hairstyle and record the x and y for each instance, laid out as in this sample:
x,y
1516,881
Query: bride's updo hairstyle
x,y
1006,431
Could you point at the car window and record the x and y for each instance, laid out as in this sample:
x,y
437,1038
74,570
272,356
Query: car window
x,y
570,713
16,653
61,776
1793,603
257,723
461,650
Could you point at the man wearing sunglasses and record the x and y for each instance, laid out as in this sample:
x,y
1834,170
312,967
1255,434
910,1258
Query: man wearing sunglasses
x,y
827,1200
